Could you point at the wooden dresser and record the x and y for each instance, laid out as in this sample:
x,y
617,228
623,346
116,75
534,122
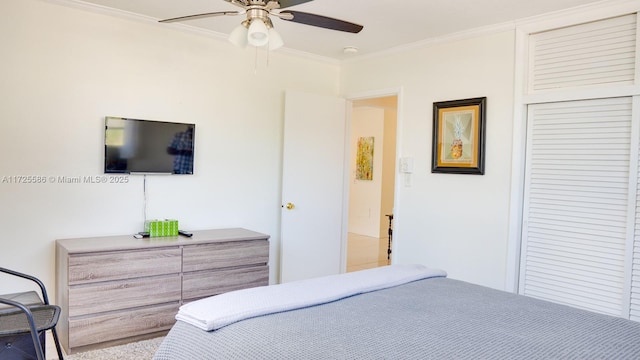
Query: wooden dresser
x,y
118,289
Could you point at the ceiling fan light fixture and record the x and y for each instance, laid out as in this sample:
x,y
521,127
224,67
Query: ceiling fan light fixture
x,y
257,30
239,36
258,34
275,40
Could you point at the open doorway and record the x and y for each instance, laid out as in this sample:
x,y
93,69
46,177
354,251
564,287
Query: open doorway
x,y
372,167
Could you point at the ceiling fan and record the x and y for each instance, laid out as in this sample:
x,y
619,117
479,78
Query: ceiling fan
x,y
257,30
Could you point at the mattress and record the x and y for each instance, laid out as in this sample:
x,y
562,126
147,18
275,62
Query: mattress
x,y
435,318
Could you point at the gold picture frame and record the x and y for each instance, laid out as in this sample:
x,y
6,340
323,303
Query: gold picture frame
x,y
459,136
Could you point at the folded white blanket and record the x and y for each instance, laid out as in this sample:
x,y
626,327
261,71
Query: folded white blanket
x,y
224,309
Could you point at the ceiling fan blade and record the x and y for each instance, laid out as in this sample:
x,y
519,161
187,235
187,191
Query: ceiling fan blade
x,y
322,21
288,3
201,16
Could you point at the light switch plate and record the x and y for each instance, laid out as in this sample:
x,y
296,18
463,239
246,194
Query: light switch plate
x,y
406,165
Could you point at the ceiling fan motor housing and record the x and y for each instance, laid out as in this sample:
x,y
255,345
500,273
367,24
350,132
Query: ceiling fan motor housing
x,y
261,14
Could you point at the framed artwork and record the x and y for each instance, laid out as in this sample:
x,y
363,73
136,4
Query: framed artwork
x,y
364,159
459,136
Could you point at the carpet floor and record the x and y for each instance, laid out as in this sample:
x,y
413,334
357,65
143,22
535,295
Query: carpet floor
x,y
141,350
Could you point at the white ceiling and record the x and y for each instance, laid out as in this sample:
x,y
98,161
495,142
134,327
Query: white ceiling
x,y
387,23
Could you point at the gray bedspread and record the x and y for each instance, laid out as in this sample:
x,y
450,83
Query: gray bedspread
x,y
435,318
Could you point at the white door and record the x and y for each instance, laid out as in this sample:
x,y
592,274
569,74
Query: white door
x,y
313,183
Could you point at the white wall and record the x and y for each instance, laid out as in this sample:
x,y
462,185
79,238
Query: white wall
x,y
455,222
365,195
65,69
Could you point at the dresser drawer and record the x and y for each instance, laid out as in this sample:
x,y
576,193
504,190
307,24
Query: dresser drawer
x,y
121,325
225,255
105,266
197,285
123,294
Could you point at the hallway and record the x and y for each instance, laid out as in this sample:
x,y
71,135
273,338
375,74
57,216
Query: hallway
x,y
365,252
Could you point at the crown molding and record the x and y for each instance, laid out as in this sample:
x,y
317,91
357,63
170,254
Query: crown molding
x,y
582,13
466,34
117,13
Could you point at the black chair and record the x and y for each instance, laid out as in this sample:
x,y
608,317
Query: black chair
x,y
24,320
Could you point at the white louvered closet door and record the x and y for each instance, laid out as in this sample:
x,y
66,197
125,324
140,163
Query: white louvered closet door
x,y
581,204
601,53
576,203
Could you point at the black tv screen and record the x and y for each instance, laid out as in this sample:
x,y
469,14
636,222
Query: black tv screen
x,y
147,146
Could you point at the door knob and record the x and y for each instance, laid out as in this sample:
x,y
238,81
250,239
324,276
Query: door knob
x,y
290,206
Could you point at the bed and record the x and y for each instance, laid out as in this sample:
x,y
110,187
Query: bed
x,y
394,312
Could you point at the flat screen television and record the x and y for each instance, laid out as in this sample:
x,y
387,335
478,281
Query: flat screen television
x,y
148,146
